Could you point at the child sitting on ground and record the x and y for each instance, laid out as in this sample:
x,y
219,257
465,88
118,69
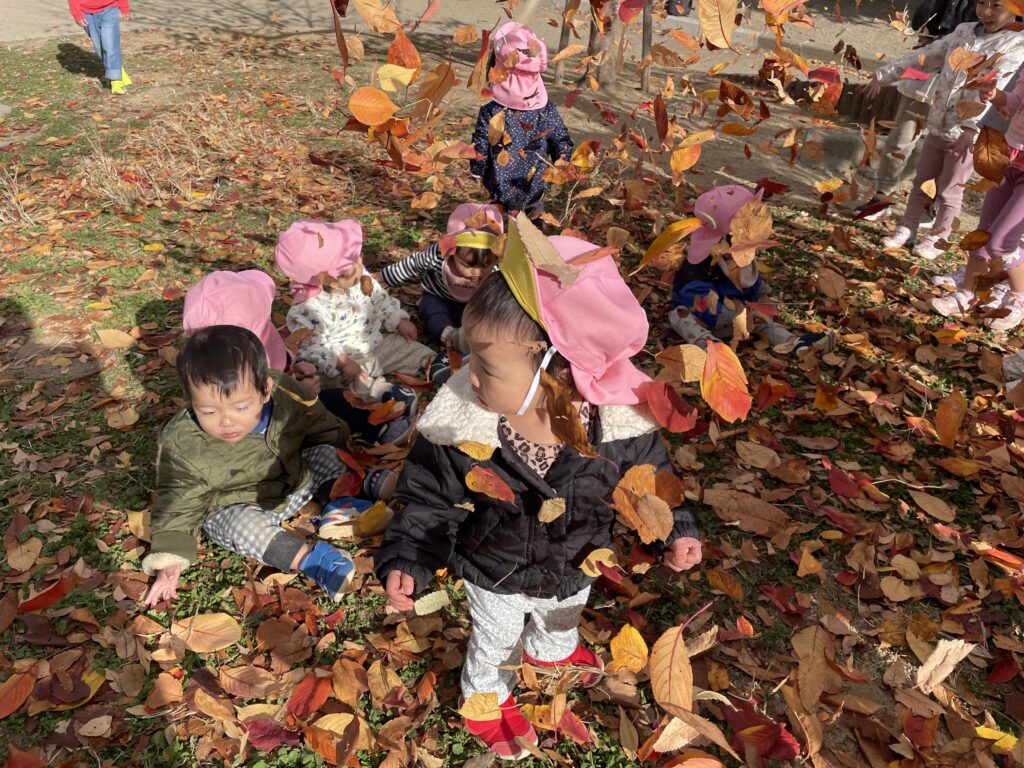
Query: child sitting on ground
x,y
451,270
522,575
246,454
531,130
946,154
709,281
357,333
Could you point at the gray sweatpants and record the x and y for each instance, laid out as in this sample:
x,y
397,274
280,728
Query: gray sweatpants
x,y
503,626
252,531
896,162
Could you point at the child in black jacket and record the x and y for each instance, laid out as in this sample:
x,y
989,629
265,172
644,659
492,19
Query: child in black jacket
x,y
520,324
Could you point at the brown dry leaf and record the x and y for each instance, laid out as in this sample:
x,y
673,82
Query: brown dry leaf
x,y
717,21
378,15
640,509
961,60
465,35
941,663
895,589
565,416
208,632
934,506
950,413
524,234
115,339
991,154
684,362
725,583
671,673
750,227
496,129
551,510
750,513
831,283
167,692
812,645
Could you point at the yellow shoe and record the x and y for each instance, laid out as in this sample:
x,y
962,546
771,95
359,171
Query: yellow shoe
x,y
124,77
117,87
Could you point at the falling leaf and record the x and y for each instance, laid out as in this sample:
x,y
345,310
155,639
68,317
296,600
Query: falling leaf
x,y
723,384
750,228
432,603
465,35
629,651
208,632
378,15
717,21
991,154
568,52
523,234
669,409
941,663
486,481
393,78
640,509
371,106
668,237
603,556
564,415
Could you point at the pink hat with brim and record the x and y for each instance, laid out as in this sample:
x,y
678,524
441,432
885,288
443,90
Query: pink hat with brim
x,y
243,299
716,208
595,321
520,57
308,248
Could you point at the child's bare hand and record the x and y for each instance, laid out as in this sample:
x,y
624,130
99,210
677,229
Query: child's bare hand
x,y
82,23
165,586
986,90
378,276
399,587
349,369
307,375
682,554
408,330
872,88
126,16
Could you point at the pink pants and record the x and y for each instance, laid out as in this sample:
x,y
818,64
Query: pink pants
x,y
950,166
1002,216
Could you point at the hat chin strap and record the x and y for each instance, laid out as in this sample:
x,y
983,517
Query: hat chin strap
x,y
536,380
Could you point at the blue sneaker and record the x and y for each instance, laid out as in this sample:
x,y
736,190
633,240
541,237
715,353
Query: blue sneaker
x,y
342,510
330,568
402,394
440,369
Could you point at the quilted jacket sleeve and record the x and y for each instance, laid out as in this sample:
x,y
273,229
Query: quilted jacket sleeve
x,y
650,449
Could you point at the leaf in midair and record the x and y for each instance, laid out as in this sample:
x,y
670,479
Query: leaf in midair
x,y
433,88
371,106
991,154
671,673
717,21
640,509
629,651
403,53
668,237
486,481
750,228
378,15
723,384
683,362
539,250
669,409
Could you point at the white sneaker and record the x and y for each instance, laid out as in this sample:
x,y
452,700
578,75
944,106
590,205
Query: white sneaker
x,y
1000,298
956,304
689,327
951,281
1008,321
925,249
900,237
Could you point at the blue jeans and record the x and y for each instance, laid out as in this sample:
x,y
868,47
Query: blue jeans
x,y
438,313
104,30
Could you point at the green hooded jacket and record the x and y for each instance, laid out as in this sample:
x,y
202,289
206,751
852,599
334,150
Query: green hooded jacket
x,y
197,474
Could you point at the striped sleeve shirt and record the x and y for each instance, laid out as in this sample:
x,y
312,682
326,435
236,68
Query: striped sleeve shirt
x,y
425,265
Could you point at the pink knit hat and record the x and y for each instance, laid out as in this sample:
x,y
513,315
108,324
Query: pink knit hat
x,y
595,322
308,247
457,222
716,208
237,298
520,57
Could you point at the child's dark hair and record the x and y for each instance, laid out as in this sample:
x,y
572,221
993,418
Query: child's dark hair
x,y
494,306
225,357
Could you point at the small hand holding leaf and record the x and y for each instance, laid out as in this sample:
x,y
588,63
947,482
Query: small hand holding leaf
x,y
682,554
399,587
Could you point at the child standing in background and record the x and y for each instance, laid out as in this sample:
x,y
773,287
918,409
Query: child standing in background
x,y
451,270
946,155
1002,217
531,130
521,574
101,19
356,331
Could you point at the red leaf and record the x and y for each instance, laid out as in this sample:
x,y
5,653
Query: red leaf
x,y
18,759
267,736
50,596
309,696
428,14
486,481
669,409
771,740
15,690
573,727
920,730
771,187
843,484
1003,671
630,9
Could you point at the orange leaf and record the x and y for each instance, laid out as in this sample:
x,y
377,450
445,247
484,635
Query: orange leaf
x,y
635,500
371,106
18,759
950,413
15,690
465,35
671,672
49,596
684,158
669,409
309,696
486,481
739,129
403,53
573,727
724,384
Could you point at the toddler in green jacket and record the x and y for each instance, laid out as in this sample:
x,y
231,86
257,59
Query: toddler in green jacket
x,y
249,451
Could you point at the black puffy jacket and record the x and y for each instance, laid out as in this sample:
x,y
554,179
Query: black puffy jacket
x,y
502,546
940,17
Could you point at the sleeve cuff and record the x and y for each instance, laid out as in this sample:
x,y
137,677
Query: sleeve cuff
x,y
157,561
178,543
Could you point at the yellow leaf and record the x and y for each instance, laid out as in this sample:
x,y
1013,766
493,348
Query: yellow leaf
x,y
1004,742
809,565
374,520
629,651
432,603
671,673
481,706
684,158
122,418
604,556
668,237
895,589
379,15
478,451
114,339
208,632
551,510
829,185
153,247
717,21
393,77
700,136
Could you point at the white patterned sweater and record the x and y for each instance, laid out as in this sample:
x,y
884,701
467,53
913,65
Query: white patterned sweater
x,y
943,120
348,322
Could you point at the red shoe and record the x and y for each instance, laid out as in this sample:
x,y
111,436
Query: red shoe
x,y
581,657
500,735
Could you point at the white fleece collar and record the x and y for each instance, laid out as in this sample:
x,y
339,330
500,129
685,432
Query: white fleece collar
x,y
454,417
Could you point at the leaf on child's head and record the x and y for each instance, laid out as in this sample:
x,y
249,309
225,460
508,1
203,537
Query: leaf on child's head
x,y
319,243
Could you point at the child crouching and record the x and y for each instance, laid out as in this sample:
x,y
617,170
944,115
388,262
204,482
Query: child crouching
x,y
248,452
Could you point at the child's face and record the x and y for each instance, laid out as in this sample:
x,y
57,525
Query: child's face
x,y
993,16
228,418
500,369
344,280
